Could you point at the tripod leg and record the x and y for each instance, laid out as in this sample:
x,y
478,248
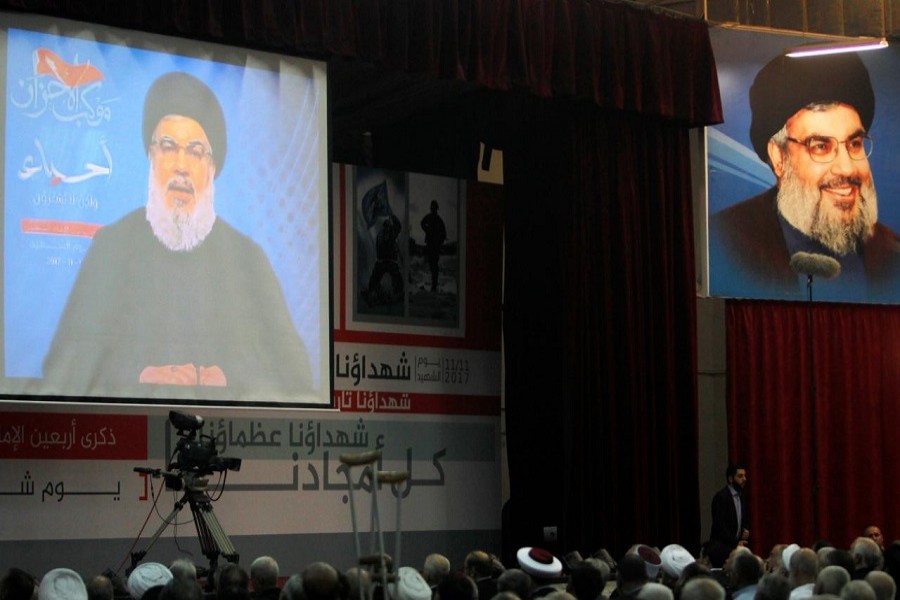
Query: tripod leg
x,y
218,534
136,557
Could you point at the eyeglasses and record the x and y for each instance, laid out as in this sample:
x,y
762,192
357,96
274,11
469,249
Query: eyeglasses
x,y
194,151
824,149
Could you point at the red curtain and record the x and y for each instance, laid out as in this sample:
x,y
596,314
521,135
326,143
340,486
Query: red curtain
x,y
812,402
599,325
613,54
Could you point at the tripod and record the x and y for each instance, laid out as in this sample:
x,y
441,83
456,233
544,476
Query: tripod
x,y
213,540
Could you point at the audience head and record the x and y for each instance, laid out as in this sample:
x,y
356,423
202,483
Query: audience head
x,y
831,580
858,589
410,585
147,580
100,588
882,584
674,559
803,567
517,582
62,584
181,589
873,532
478,564
559,595
18,585
183,570
738,550
321,581
539,563
359,583
746,569
867,555
456,586
587,580
691,571
774,563
839,558
232,582
655,591
773,586
786,555
631,575
293,589
435,568
264,573
702,588
650,556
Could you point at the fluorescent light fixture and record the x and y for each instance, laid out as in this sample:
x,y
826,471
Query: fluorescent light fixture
x,y
836,47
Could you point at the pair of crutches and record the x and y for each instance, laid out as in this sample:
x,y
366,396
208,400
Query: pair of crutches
x,y
368,461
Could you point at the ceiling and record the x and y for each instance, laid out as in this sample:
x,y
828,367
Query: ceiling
x,y
853,18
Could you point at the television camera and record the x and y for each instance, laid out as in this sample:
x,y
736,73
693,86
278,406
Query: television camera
x,y
194,458
195,455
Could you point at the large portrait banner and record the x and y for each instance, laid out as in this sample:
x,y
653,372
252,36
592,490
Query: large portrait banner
x,y
796,172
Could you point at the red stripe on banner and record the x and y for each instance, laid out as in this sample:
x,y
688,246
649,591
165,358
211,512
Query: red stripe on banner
x,y
357,401
62,436
407,339
87,230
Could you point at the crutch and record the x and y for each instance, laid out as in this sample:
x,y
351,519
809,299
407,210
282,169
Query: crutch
x,y
367,461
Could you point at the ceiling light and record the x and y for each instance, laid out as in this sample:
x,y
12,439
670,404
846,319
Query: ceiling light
x,y
836,47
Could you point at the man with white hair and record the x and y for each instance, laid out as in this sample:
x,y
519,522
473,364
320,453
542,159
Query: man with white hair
x,y
702,588
264,578
867,557
883,585
803,568
831,580
436,567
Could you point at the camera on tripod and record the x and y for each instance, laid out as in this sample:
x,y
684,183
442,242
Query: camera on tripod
x,y
194,458
195,455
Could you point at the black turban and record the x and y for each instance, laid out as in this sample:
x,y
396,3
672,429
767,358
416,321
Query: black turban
x,y
785,85
185,95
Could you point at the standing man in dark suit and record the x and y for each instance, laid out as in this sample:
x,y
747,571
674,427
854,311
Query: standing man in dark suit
x,y
730,517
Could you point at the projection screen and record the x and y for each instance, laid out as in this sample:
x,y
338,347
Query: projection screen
x,y
165,233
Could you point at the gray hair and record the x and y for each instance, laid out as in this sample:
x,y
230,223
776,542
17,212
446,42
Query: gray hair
x,y
702,588
831,580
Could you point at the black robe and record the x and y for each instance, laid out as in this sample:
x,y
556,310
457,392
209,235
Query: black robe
x,y
136,303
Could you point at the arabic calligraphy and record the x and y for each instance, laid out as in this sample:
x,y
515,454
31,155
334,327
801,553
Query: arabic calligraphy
x,y
69,92
328,477
310,435
359,400
57,490
355,368
15,437
32,165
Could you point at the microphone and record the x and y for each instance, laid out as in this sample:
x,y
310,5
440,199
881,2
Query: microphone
x,y
819,265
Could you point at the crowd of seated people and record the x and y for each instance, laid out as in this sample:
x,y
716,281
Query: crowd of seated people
x,y
864,571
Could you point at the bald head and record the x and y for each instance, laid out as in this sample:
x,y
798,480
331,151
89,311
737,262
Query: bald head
x,y
435,568
321,582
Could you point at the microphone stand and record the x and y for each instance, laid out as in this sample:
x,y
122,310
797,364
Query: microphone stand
x,y
813,404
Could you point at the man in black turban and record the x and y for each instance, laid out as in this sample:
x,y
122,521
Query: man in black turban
x,y
810,124
171,301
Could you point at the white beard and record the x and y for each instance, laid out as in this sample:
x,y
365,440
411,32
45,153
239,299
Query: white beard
x,y
801,206
179,231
